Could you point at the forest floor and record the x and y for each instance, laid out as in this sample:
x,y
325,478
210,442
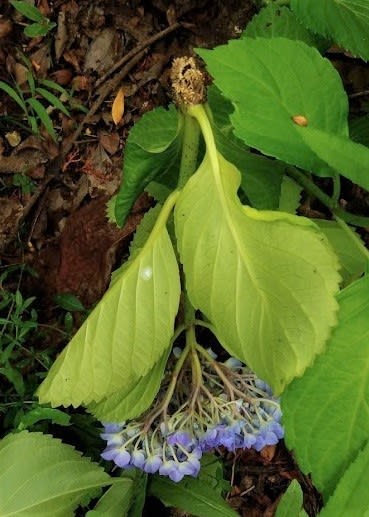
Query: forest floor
x,y
54,234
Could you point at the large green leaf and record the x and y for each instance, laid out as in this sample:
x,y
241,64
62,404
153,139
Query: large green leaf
x,y
131,402
191,495
351,497
127,332
345,21
342,154
39,475
265,280
291,502
348,248
153,149
271,81
326,412
261,176
276,21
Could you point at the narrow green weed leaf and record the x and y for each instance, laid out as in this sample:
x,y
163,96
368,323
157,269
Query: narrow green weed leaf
x,y
127,332
345,21
14,95
43,116
54,101
131,402
276,21
244,266
153,150
28,10
342,154
54,86
271,81
36,29
69,302
115,502
351,496
353,261
39,475
260,177
326,413
191,495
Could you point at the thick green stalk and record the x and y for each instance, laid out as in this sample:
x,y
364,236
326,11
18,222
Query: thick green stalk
x,y
190,147
304,181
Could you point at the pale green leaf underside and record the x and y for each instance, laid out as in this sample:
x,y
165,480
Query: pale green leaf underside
x,y
326,413
126,333
276,21
266,280
132,402
345,21
269,82
290,504
191,495
353,262
351,497
41,476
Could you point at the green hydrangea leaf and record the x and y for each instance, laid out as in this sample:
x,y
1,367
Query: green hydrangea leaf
x,y
342,154
39,475
291,502
127,332
351,496
345,21
115,502
347,247
276,21
131,402
244,266
191,495
273,81
326,413
290,197
152,151
359,130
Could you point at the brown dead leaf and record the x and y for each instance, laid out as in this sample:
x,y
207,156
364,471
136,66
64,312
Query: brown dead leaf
x,y
268,452
6,27
117,109
61,37
109,141
10,214
62,76
103,51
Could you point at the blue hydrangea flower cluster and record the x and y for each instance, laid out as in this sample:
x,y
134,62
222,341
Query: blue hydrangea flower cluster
x,y
231,408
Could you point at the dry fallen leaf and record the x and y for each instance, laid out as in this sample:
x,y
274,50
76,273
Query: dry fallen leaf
x,y
117,109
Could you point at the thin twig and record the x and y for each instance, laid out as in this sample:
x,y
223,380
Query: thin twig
x,y
136,50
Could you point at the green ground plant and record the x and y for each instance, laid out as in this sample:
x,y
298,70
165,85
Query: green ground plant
x,y
224,251
41,25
